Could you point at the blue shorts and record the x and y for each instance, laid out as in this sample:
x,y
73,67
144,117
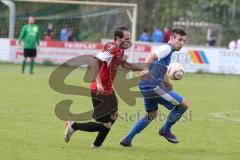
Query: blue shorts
x,y
160,95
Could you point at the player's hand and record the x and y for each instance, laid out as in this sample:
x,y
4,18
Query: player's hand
x,y
144,74
19,45
166,77
100,89
166,82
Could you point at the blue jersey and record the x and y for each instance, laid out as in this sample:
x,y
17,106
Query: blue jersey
x,y
158,68
144,37
157,36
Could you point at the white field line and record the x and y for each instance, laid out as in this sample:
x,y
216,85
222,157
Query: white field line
x,y
223,115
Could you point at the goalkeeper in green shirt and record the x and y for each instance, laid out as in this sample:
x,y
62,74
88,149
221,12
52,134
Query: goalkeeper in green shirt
x,y
30,35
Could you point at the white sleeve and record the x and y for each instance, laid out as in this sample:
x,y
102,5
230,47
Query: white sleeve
x,y
162,51
104,56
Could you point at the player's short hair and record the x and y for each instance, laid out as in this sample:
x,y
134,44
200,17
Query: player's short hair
x,y
31,17
178,30
145,30
119,32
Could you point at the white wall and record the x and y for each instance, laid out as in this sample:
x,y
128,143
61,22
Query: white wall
x,y
5,54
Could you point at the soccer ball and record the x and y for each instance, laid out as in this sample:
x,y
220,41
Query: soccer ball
x,y
175,71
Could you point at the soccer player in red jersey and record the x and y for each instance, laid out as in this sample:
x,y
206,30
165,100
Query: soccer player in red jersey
x,y
104,100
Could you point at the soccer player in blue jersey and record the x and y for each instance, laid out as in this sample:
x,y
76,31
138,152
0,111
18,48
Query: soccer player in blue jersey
x,y
156,89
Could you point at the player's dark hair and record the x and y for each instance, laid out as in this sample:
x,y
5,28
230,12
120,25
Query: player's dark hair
x,y
179,31
119,32
145,30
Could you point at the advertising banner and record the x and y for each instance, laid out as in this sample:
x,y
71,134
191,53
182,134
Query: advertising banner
x,y
193,58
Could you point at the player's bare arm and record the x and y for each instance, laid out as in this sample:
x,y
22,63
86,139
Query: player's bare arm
x,y
148,61
95,73
95,67
131,66
167,83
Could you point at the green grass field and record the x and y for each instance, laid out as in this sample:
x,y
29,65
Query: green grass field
x,y
29,129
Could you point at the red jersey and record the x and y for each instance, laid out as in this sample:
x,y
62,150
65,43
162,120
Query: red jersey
x,y
111,57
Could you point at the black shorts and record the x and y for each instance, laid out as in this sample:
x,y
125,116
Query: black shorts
x,y
32,53
104,105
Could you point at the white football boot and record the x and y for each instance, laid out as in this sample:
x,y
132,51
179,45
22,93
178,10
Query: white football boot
x,y
68,131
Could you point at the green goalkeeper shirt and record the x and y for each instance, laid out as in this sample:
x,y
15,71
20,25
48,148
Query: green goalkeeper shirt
x,y
30,34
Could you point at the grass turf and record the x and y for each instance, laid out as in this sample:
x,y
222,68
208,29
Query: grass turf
x,y
29,128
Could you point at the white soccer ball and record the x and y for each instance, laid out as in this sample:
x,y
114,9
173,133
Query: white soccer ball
x,y
175,71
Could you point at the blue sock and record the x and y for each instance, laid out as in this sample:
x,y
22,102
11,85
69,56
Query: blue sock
x,y
173,117
138,127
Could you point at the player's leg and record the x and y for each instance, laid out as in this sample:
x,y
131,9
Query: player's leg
x,y
178,105
32,63
110,102
151,109
25,54
86,126
102,115
103,128
32,60
114,117
175,114
68,131
103,134
139,126
24,64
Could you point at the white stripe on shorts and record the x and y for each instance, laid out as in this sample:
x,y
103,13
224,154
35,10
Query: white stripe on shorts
x,y
166,96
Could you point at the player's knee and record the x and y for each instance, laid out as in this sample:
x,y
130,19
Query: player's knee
x,y
185,104
108,125
151,115
114,116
